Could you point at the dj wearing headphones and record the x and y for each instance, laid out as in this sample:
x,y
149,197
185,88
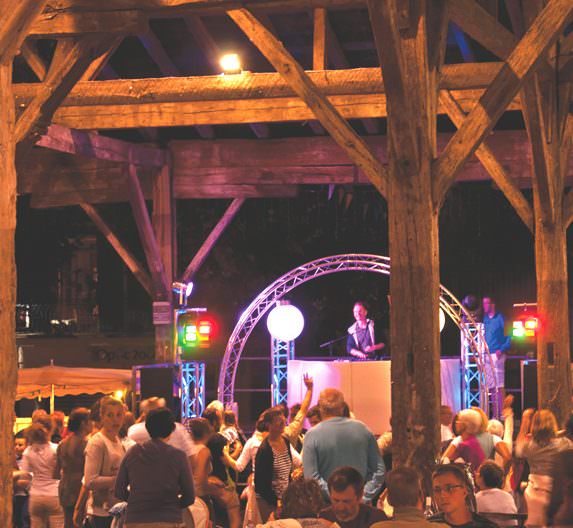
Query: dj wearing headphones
x,y
361,342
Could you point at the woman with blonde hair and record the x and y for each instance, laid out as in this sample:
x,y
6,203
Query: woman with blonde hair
x,y
39,459
540,450
104,453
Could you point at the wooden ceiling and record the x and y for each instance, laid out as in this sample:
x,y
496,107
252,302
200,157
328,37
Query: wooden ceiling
x,y
148,72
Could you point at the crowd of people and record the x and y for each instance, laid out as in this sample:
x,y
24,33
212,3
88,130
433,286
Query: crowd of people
x,y
107,469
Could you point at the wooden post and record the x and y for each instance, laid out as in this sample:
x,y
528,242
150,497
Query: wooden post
x,y
163,226
553,361
8,359
545,116
410,42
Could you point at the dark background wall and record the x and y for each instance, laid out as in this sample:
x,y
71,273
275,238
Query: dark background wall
x,y
484,248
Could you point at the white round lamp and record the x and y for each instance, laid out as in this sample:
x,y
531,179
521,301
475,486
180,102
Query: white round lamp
x,y
285,322
442,318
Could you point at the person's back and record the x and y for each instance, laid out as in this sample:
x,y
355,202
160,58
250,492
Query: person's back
x,y
496,500
154,477
339,442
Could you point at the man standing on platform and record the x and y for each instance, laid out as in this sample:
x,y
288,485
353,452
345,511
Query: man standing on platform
x,y
498,344
361,342
338,441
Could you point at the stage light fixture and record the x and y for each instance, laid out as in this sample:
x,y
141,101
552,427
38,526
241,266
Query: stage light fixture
x,y
183,290
527,326
285,322
442,318
230,63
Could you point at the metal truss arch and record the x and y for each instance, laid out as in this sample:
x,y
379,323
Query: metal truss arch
x,y
318,268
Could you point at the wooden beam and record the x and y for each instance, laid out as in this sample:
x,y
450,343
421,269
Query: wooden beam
x,y
8,359
16,20
126,256
547,185
319,40
99,64
69,63
174,8
498,174
211,239
33,60
161,288
516,16
249,86
568,208
59,24
476,22
101,147
481,120
164,227
295,76
240,168
163,218
232,111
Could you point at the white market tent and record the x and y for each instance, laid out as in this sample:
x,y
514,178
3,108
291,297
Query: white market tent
x,y
53,381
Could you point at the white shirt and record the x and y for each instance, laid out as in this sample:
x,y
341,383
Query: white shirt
x,y
496,500
179,439
40,460
249,452
445,433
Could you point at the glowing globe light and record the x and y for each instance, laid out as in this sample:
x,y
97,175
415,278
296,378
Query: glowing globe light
x,y
442,317
285,322
230,63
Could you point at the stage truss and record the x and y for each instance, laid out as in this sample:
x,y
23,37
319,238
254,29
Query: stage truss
x,y
336,264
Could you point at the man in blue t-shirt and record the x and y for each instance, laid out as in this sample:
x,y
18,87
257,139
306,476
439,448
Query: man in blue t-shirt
x,y
498,344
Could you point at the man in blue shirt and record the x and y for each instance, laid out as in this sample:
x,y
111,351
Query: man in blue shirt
x,y
337,441
498,344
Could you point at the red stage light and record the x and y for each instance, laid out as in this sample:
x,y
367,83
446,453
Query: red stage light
x,y
532,323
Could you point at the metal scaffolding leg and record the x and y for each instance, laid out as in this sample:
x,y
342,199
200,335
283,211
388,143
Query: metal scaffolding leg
x,y
282,352
473,381
192,389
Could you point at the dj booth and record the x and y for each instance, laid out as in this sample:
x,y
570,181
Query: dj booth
x,y
366,386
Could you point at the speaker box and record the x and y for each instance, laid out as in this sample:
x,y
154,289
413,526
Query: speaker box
x,y
529,383
158,381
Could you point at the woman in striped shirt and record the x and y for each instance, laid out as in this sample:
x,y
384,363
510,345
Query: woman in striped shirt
x,y
275,461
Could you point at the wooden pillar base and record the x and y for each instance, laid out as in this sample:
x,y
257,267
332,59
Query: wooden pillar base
x,y
553,356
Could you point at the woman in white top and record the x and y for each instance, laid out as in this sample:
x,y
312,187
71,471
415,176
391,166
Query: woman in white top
x,y
248,454
540,451
104,453
40,459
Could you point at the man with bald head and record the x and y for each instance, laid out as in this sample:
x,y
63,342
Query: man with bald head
x,y
338,441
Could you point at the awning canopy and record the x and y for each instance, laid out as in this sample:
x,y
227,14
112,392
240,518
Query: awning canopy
x,y
35,382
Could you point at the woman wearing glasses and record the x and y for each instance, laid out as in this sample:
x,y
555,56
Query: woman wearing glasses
x,y
454,497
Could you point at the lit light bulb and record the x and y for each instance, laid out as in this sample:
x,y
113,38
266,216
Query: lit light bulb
x,y
230,63
285,322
